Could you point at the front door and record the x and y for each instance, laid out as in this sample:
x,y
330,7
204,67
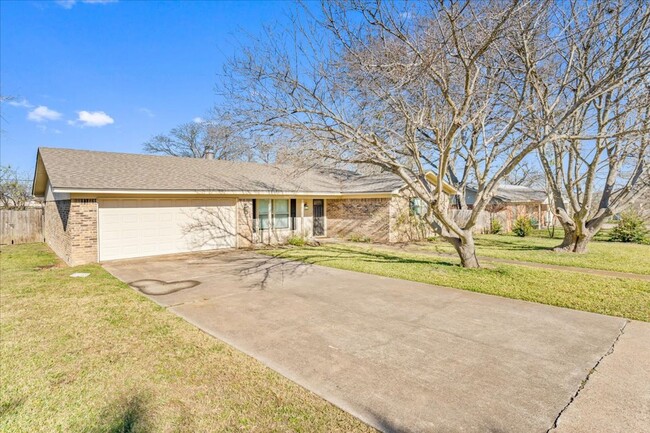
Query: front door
x,y
319,218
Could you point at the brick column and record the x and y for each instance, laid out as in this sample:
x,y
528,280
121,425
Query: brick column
x,y
83,231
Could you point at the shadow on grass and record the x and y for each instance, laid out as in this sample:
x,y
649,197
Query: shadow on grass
x,y
8,407
327,253
127,415
506,245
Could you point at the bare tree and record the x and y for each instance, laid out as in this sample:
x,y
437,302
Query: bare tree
x,y
598,165
194,139
15,191
527,174
395,86
411,88
3,99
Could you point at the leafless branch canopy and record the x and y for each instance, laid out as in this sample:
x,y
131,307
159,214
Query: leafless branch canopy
x,y
464,89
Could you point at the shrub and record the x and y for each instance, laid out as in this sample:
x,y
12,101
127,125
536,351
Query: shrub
x,y
495,226
522,226
356,237
630,228
296,241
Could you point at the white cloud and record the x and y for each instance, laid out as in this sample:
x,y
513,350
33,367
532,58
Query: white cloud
x,y
42,114
146,111
94,119
19,103
198,120
68,4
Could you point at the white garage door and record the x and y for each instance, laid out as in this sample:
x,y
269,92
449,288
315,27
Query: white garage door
x,y
148,227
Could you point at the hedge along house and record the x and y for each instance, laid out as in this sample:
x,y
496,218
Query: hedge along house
x,y
103,206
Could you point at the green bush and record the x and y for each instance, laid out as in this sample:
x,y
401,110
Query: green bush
x,y
522,226
296,241
356,237
630,228
495,226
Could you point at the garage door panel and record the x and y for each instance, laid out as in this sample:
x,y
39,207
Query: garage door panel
x,y
145,227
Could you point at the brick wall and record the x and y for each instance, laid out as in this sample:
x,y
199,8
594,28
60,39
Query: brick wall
x,y
70,229
83,233
55,227
405,227
367,217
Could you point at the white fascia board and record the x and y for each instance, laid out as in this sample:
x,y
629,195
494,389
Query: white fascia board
x,y
221,193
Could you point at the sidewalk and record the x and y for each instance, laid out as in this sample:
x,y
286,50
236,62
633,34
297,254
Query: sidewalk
x,y
615,397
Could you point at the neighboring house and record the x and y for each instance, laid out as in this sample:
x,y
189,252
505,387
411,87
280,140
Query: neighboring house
x,y
105,206
512,201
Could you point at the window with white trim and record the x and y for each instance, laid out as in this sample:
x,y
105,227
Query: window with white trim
x,y
418,206
263,214
276,211
281,214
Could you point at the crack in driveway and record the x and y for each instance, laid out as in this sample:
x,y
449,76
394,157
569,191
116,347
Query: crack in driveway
x,y
586,379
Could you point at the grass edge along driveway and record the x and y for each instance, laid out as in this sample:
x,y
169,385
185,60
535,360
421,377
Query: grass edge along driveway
x,y
598,294
91,354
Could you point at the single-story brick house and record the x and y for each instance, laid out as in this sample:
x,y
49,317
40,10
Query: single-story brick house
x,y
512,201
104,206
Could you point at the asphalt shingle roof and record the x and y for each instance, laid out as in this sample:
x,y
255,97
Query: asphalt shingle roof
x,y
92,170
518,193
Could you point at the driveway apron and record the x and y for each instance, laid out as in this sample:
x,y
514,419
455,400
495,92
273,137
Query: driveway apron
x,y
401,356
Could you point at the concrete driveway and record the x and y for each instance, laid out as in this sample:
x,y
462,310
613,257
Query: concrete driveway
x,y
401,356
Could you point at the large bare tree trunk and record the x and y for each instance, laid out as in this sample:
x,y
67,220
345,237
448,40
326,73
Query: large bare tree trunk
x,y
466,250
580,245
570,237
578,234
570,230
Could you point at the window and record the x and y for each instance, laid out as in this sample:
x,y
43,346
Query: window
x,y
263,214
281,214
418,207
278,211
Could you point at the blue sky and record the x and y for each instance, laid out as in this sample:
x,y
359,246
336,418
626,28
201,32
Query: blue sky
x,y
103,75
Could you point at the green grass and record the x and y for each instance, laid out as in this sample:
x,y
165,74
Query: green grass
x,y
609,256
607,295
92,355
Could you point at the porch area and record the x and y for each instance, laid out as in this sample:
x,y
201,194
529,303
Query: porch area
x,y
275,220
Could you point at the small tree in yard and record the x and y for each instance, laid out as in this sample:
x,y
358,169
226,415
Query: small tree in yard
x,y
495,226
630,228
522,226
414,87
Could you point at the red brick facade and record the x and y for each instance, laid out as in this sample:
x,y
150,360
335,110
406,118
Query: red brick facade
x,y
368,217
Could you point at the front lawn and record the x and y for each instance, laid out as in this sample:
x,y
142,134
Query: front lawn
x,y
607,295
92,355
610,256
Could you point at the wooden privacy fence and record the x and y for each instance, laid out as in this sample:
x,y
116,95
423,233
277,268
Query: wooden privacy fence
x,y
482,222
21,226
